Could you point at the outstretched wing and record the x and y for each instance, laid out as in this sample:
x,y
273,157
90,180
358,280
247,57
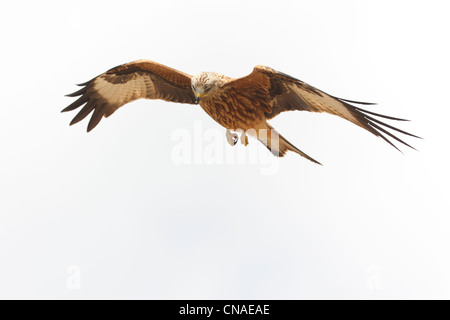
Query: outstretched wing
x,y
128,82
288,93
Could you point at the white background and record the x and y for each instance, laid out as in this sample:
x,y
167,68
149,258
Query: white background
x,y
110,215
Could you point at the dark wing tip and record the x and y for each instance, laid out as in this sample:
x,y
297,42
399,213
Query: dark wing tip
x,y
380,115
367,120
77,93
357,102
88,104
76,104
84,84
95,119
378,127
370,112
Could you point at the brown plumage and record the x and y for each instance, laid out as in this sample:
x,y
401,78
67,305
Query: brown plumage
x,y
118,86
236,104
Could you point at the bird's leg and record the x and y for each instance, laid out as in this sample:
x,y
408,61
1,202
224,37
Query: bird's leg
x,y
244,137
232,138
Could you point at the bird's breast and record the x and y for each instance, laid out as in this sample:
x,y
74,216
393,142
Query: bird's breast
x,y
233,111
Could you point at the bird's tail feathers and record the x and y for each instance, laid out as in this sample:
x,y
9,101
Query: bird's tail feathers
x,y
277,144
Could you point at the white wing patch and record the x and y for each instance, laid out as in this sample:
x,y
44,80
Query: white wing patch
x,y
118,94
324,103
103,95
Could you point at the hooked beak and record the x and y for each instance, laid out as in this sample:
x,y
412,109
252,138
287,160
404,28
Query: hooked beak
x,y
198,96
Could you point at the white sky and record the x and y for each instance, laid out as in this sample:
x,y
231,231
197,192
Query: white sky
x,y
370,223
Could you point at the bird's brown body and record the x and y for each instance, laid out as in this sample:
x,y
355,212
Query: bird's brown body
x,y
236,111
236,104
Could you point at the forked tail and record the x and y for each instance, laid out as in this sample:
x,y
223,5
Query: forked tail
x,y
277,144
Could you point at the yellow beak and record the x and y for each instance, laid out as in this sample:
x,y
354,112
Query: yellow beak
x,y
198,96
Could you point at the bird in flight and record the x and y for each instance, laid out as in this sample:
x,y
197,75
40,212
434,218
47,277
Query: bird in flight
x,y
240,105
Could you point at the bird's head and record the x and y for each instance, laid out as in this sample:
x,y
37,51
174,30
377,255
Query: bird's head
x,y
205,84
